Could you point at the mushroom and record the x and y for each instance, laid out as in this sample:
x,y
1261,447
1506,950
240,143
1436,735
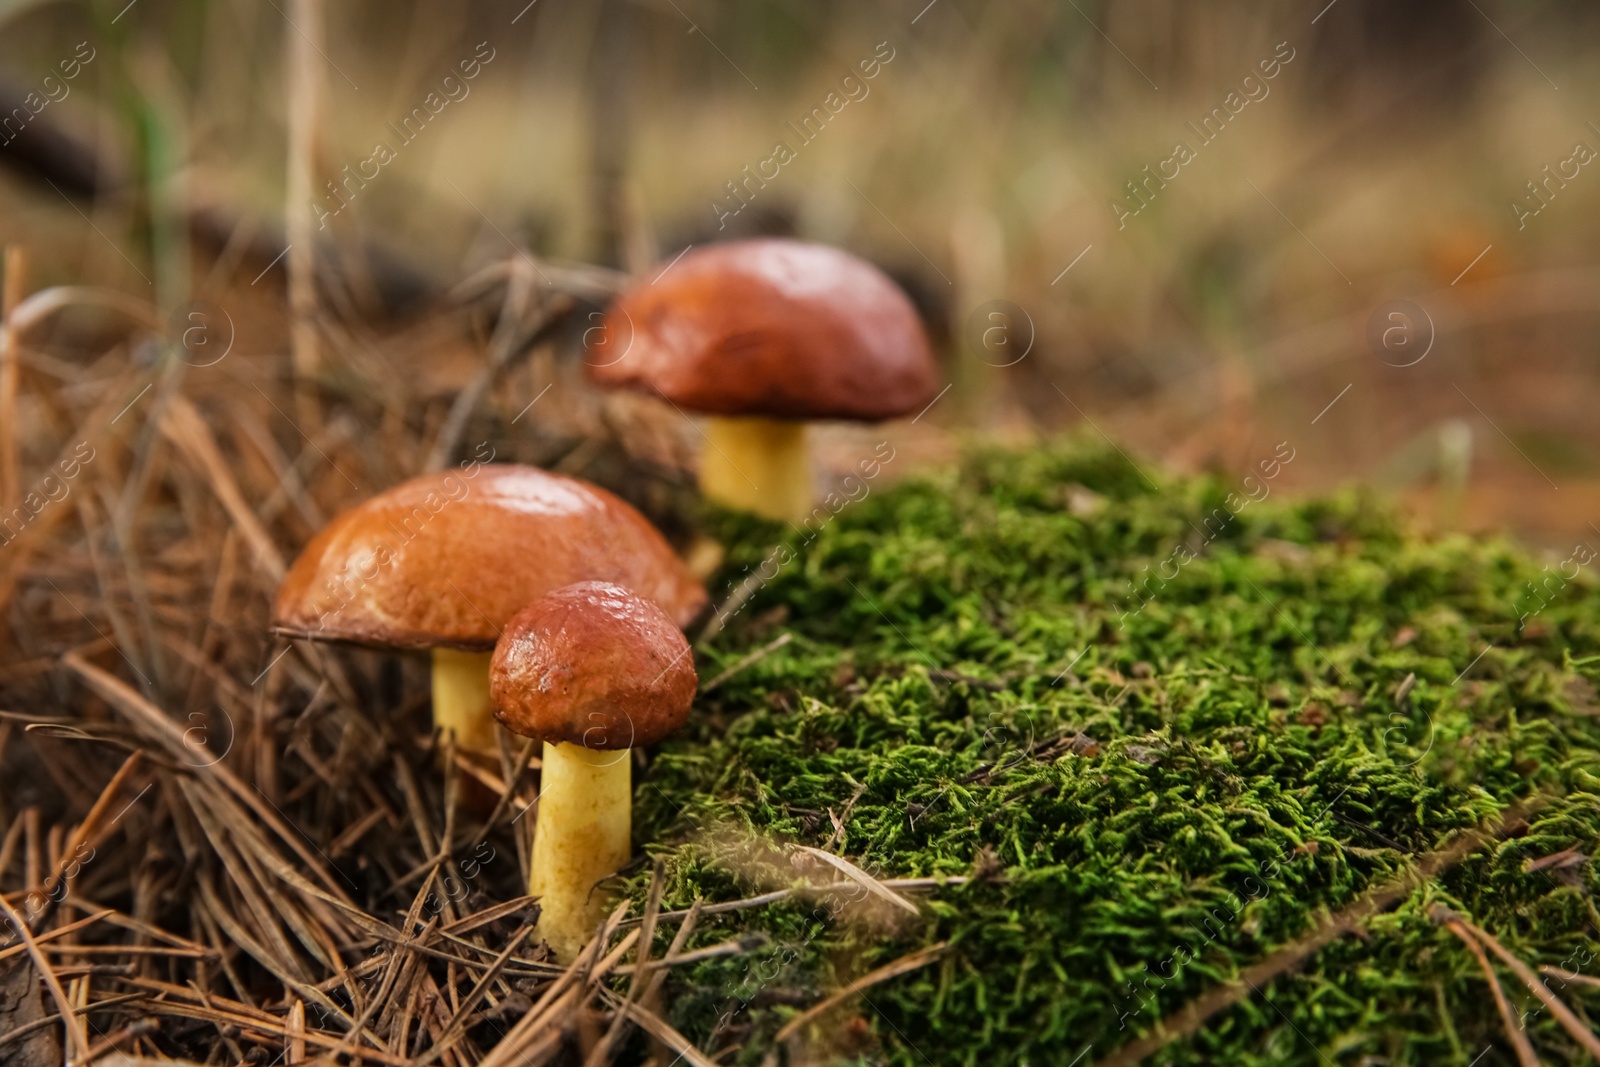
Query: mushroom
x,y
593,671
442,562
763,336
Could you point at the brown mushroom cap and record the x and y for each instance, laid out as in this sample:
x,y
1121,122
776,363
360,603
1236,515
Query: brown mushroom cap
x,y
592,665
447,559
771,327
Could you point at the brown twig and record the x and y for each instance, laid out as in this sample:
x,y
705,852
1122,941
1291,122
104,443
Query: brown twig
x,y
709,952
184,426
85,833
1582,979
39,1024
748,660
658,1028
75,1032
303,65
457,1024
50,935
523,760
1564,1015
526,1040
601,1053
295,1030
778,896
16,282
856,874
1188,1019
1508,1019
904,965
651,1001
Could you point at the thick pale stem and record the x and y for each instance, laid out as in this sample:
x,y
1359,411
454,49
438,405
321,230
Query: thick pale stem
x,y
583,835
757,465
461,698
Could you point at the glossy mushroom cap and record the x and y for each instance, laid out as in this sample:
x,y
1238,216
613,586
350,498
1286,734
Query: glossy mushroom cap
x,y
592,665
447,559
771,327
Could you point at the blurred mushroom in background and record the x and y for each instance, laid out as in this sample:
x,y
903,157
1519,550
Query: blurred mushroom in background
x,y
764,336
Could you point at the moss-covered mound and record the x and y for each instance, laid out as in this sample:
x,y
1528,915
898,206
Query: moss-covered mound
x,y
1165,729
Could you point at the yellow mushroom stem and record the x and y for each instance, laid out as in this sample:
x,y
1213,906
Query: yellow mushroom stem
x,y
582,836
758,465
461,698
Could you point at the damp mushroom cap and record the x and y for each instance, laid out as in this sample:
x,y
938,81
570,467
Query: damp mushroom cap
x,y
775,328
595,665
446,559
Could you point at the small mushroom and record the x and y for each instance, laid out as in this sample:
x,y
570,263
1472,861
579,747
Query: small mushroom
x,y
763,336
593,671
441,563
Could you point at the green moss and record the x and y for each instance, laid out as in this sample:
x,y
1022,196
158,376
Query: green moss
x,y
1251,769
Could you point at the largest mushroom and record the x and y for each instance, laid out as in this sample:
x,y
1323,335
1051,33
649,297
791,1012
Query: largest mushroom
x,y
442,562
763,336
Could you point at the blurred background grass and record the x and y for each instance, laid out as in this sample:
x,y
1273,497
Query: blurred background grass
x,y
984,159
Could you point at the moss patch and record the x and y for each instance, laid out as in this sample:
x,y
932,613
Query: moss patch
x,y
1234,751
